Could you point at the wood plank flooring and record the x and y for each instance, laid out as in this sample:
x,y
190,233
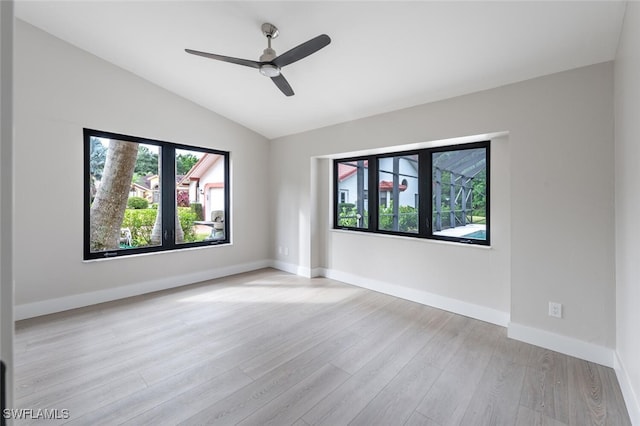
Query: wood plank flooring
x,y
270,348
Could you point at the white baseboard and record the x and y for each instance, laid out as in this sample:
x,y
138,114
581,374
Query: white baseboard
x,y
630,398
318,272
45,307
546,339
563,344
471,310
292,268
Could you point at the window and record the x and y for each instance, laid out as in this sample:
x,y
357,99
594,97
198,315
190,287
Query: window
x,y
344,195
397,179
459,201
145,195
453,181
352,183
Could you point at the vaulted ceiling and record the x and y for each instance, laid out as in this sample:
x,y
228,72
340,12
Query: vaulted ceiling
x,y
383,55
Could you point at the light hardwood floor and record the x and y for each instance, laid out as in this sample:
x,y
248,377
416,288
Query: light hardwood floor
x,y
268,347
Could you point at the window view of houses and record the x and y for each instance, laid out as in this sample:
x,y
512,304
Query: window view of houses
x,y
126,187
353,189
398,193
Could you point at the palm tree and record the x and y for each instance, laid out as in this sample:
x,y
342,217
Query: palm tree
x,y
156,232
107,210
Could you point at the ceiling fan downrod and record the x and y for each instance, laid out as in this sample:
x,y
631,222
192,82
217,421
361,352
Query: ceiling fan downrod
x,y
269,70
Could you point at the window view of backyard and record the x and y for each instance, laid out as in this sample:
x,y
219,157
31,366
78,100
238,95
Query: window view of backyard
x,y
126,195
437,193
460,193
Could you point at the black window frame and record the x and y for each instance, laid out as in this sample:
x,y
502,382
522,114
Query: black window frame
x,y
366,192
167,195
377,189
425,193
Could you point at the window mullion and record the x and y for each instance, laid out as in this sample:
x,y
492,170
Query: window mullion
x,y
168,198
336,194
425,185
373,193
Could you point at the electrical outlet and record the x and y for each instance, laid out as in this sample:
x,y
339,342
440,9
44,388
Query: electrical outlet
x,y
555,309
286,251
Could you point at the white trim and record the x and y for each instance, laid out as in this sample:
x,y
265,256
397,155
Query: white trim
x,y
563,344
292,268
30,310
630,398
420,145
411,238
212,246
318,272
482,313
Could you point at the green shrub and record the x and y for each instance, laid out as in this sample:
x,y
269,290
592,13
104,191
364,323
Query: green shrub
x,y
197,209
348,215
137,203
140,222
407,218
187,217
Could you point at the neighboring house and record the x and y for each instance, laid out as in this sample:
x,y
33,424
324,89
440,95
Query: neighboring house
x,y
141,190
153,183
407,182
146,188
348,182
149,188
205,183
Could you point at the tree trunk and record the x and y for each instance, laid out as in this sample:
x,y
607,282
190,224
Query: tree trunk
x,y
179,231
156,233
107,211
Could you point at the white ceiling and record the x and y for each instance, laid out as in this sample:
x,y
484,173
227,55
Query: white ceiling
x,y
383,55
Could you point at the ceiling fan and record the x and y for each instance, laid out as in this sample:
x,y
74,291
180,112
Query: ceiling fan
x,y
270,64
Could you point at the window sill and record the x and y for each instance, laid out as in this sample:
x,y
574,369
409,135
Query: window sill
x,y
410,238
155,253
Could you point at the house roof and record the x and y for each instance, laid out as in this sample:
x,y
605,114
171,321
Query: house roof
x,y
139,186
200,168
387,185
148,179
345,170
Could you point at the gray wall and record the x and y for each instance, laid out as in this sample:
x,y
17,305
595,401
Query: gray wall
x,y
60,89
552,207
6,194
627,148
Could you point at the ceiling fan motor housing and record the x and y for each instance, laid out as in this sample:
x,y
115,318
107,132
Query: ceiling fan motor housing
x,y
269,70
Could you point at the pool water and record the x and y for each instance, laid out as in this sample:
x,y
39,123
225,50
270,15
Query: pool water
x,y
477,235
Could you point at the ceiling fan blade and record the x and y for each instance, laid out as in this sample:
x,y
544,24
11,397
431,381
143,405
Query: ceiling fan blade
x,y
245,62
302,51
283,84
